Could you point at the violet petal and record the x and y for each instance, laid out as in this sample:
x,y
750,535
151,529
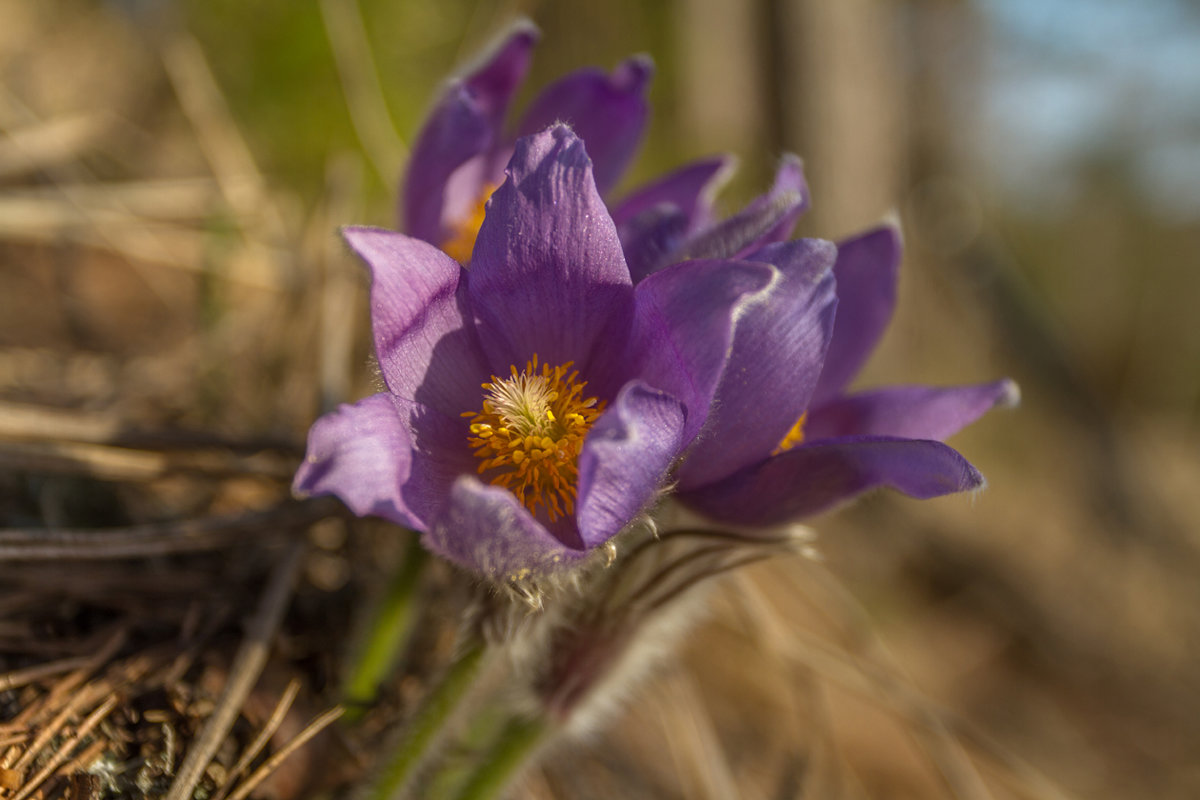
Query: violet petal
x,y
684,330
814,477
440,453
625,459
427,351
651,238
866,270
465,122
691,189
362,454
607,111
777,352
768,218
913,412
486,530
548,275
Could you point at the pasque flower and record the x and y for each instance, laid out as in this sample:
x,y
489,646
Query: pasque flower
x,y
533,405
785,439
460,152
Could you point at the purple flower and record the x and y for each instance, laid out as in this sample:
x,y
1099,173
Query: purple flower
x,y
459,155
671,219
535,404
784,439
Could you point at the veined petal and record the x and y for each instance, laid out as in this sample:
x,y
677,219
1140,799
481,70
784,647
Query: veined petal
x,y
654,222
607,111
650,239
361,453
768,218
913,412
548,275
691,189
465,122
625,459
777,352
440,454
790,194
684,329
814,477
866,270
486,530
501,70
427,350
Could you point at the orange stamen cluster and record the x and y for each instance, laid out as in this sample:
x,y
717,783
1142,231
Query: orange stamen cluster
x,y
793,437
529,434
461,243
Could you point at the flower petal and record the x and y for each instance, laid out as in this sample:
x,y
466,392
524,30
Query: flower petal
x,y
651,238
486,530
691,189
654,222
625,460
866,272
363,454
684,329
777,352
427,350
768,218
608,112
465,122
548,275
813,477
913,412
440,454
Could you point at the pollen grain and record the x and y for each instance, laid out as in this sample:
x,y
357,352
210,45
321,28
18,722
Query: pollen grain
x,y
793,437
529,433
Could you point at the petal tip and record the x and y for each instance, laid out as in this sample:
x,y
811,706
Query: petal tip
x,y
364,239
891,219
517,40
634,73
1009,394
973,481
891,225
791,161
522,30
790,173
559,142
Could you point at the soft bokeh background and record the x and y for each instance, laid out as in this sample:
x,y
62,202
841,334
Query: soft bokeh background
x,y
172,175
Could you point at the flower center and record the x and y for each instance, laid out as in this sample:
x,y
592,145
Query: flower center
x,y
461,242
530,431
793,437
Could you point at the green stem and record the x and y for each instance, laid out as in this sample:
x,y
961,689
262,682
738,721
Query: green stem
x,y
513,750
390,631
423,729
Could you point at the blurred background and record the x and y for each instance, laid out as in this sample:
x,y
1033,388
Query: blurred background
x,y
172,175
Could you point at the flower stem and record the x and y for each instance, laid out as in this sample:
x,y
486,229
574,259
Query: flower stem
x,y
422,731
513,750
390,630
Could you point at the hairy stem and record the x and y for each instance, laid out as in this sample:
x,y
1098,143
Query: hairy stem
x,y
514,750
425,728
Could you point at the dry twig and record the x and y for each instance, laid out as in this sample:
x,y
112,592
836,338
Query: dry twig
x,y
155,539
244,672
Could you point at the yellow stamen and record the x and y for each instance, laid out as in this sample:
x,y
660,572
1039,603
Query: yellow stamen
x,y
793,437
461,242
529,433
